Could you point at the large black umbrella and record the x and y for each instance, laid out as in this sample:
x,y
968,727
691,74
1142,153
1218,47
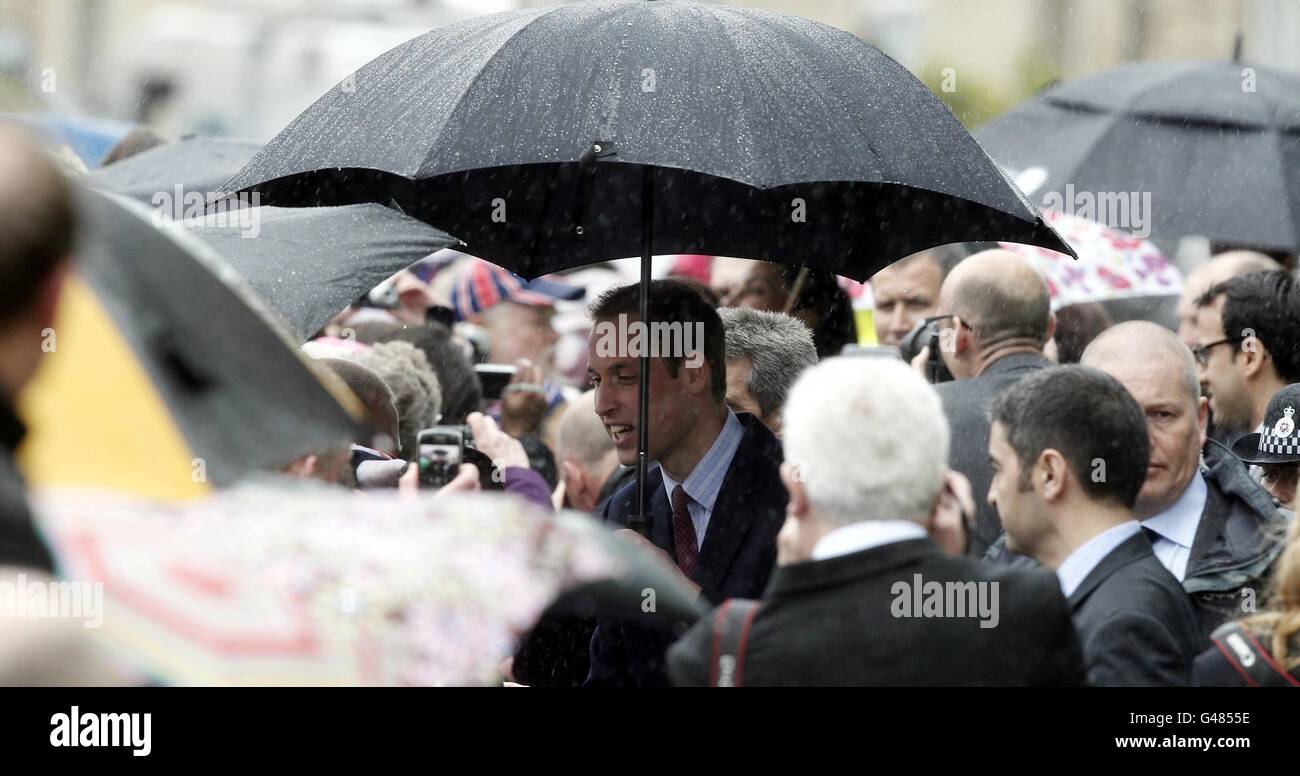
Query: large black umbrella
x,y
548,138
310,263
196,164
168,376
1216,145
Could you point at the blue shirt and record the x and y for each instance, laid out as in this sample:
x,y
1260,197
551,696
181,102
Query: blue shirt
x,y
1082,561
704,482
1177,527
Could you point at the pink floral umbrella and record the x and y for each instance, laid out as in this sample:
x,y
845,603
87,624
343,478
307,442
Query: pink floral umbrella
x,y
1112,264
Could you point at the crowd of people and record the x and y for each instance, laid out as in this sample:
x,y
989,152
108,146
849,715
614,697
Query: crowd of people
x,y
1091,502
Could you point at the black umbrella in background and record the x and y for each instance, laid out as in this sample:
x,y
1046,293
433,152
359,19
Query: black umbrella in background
x,y
1215,144
310,263
197,164
548,138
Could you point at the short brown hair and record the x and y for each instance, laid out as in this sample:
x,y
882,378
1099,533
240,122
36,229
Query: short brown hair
x,y
672,301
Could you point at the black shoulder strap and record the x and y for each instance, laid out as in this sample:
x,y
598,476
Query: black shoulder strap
x,y
731,623
1249,657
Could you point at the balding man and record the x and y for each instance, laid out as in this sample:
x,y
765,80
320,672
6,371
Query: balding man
x,y
589,466
35,246
1209,523
1224,266
997,318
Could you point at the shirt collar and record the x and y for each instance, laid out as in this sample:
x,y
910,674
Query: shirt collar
x,y
861,536
1082,561
1179,521
705,481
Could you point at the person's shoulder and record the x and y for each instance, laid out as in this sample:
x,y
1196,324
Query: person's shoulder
x,y
1033,588
622,503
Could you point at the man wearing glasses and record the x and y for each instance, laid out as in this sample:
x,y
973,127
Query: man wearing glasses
x,y
1248,333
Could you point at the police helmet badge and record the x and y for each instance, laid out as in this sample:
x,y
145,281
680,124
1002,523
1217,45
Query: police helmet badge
x,y
1285,425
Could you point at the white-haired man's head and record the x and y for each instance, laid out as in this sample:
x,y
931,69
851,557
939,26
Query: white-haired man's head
x,y
865,439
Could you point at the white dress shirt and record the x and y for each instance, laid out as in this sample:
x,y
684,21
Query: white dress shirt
x,y
1082,561
1177,527
857,537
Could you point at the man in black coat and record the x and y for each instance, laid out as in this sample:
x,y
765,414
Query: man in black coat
x,y
1210,523
863,596
999,317
35,246
1069,449
715,500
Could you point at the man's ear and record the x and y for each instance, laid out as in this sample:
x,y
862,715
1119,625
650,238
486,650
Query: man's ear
x,y
1255,354
963,336
798,506
1050,474
1051,326
575,484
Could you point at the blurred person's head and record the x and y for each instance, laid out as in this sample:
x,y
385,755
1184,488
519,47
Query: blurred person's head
x,y
1069,451
1157,369
382,424
1247,345
461,391
766,352
865,439
331,464
584,452
515,314
1077,325
36,244
1224,266
687,390
907,291
415,387
999,305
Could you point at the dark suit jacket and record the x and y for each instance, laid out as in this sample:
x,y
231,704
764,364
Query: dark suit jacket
x,y
966,403
20,544
736,559
835,622
1135,621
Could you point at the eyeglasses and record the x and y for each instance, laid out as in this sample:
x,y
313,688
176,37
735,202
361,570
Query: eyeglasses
x,y
937,318
1202,352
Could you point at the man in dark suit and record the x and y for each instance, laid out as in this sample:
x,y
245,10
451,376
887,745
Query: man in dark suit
x,y
998,318
862,595
1069,450
715,500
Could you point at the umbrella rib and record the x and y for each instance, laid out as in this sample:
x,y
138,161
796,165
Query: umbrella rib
x,y
435,146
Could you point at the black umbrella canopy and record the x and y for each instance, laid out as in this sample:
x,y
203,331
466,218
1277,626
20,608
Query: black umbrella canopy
x,y
1215,144
197,164
768,135
239,391
310,263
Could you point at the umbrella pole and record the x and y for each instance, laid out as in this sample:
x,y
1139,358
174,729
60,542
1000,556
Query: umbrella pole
x,y
639,521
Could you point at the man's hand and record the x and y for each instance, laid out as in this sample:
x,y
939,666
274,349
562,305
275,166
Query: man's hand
x,y
953,515
504,450
919,363
523,400
465,481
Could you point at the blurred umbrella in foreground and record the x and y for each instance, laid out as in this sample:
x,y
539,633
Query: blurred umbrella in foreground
x,y
173,170
1111,264
164,374
549,138
310,263
286,582
1209,148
